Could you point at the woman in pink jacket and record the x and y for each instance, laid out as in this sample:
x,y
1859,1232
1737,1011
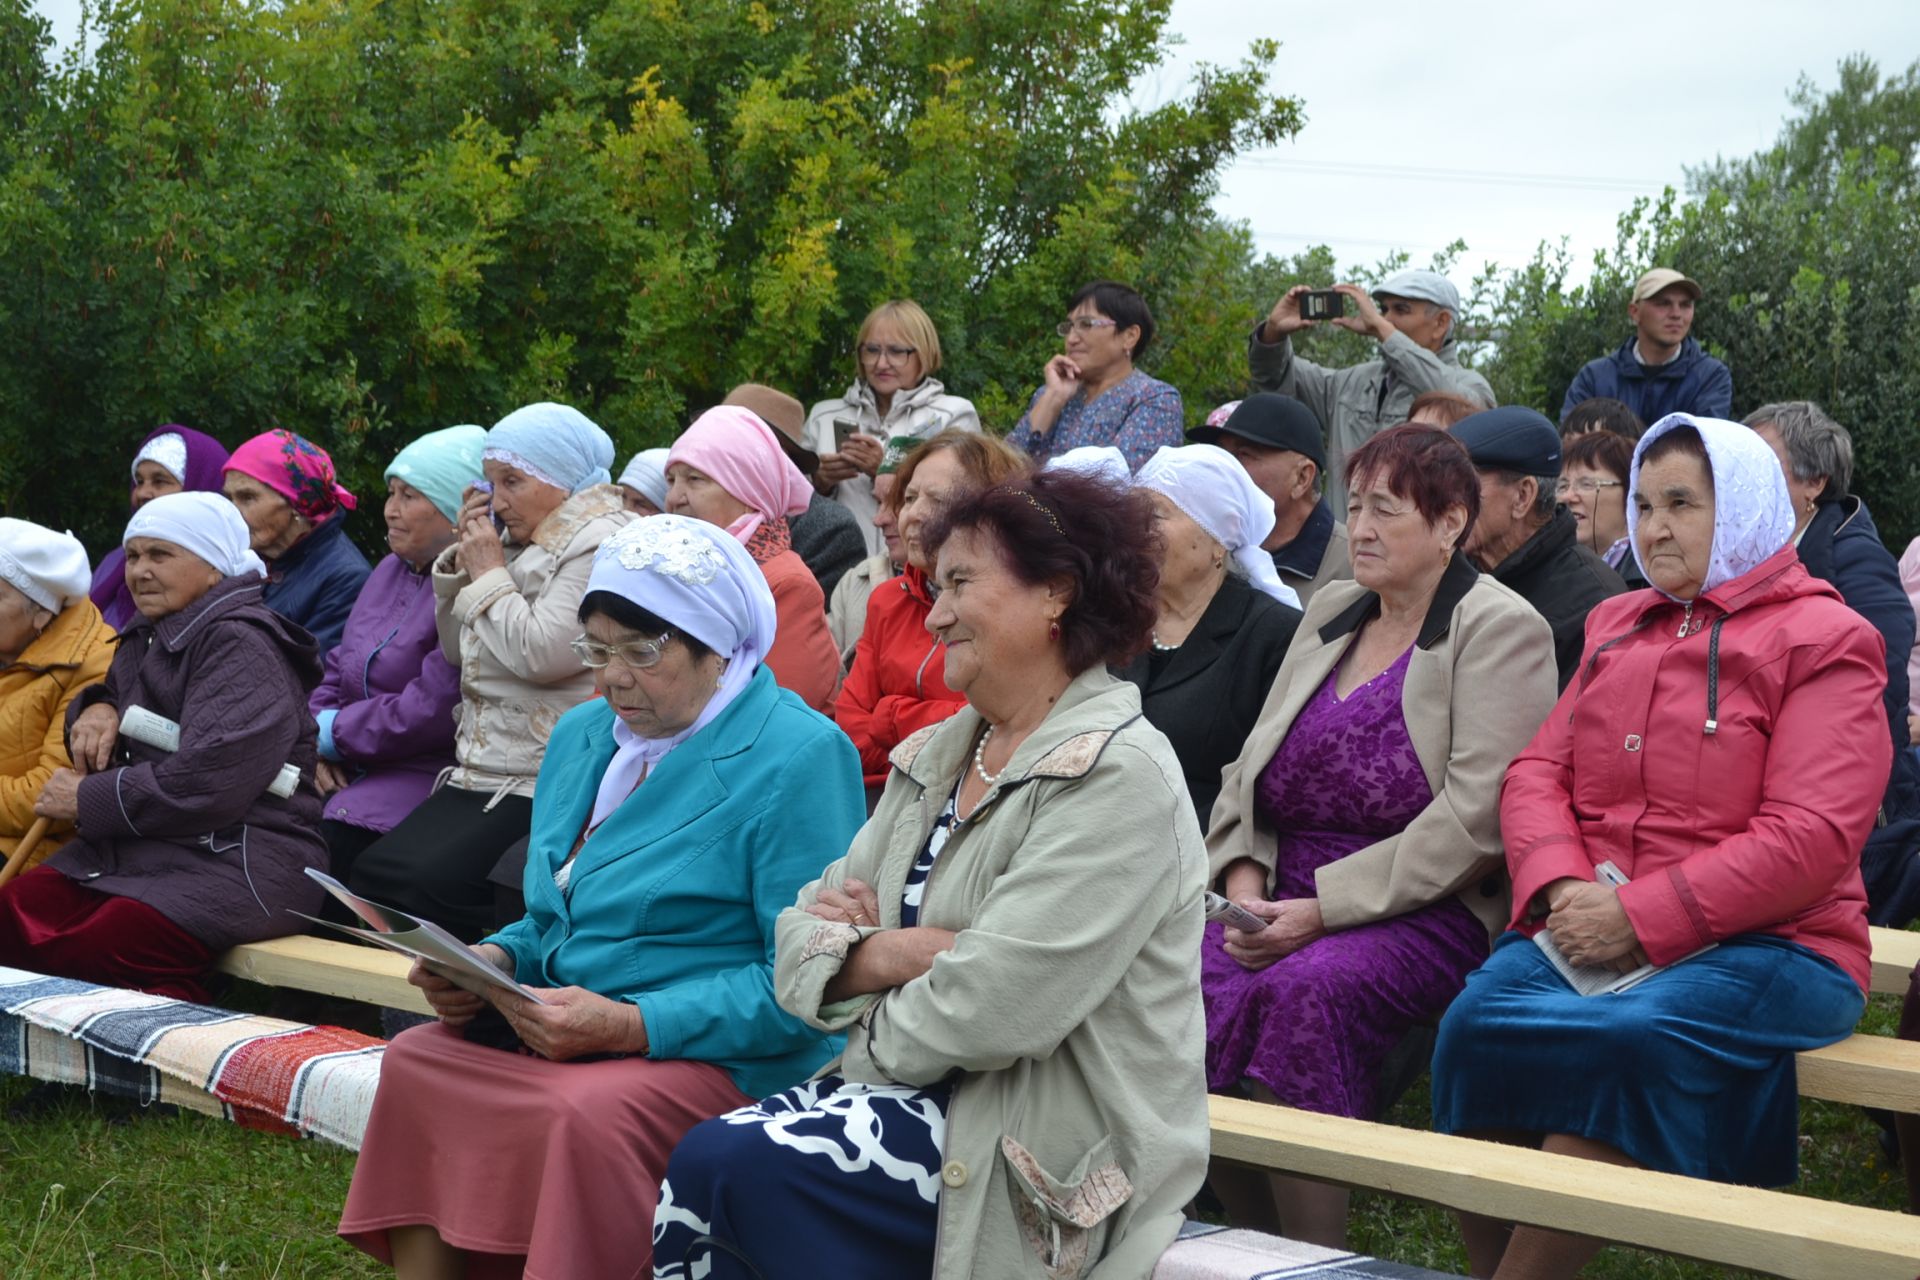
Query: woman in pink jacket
x,y
1723,746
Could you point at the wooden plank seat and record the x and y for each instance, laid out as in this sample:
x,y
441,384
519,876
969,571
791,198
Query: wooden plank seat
x,y
1766,1231
1895,953
330,968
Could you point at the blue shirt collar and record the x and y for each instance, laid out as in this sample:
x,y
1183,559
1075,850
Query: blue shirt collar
x,y
1303,555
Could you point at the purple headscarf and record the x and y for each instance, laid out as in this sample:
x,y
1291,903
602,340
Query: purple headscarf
x,y
205,459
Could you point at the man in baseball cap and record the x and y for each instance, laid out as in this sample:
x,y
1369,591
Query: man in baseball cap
x,y
1659,370
1277,440
1523,536
1413,315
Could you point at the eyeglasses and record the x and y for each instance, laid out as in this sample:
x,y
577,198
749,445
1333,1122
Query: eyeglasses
x,y
873,351
1588,485
1084,324
637,654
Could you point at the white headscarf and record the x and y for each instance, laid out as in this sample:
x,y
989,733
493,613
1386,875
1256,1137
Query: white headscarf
x,y
1101,461
647,476
49,568
698,579
1752,514
555,444
202,524
169,449
1215,491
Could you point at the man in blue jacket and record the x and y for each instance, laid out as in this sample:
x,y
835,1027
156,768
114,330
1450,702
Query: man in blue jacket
x,y
1660,370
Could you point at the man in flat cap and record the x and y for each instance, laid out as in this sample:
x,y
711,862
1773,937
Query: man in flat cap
x,y
1659,370
1523,536
1413,315
1277,440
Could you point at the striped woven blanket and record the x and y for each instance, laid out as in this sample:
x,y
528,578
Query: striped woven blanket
x,y
264,1073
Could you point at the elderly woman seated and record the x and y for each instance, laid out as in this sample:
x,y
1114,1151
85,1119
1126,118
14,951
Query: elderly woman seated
x,y
171,459
296,512
506,605
729,469
894,687
53,644
1723,751
1225,617
676,816
385,706
178,855
1008,947
1361,820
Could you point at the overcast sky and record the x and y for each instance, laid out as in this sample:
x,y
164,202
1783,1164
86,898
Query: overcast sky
x,y
1496,121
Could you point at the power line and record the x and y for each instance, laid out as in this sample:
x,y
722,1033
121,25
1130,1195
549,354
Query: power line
x,y
1472,177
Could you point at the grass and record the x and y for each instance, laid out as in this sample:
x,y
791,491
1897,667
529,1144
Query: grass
x,y
166,1196
190,1197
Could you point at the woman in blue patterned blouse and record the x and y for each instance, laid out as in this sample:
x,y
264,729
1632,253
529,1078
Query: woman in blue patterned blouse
x,y
1092,394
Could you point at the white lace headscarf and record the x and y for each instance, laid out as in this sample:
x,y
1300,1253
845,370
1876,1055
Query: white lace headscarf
x,y
698,579
1752,514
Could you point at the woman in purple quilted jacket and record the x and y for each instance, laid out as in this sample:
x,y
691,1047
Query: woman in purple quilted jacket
x,y
385,706
178,855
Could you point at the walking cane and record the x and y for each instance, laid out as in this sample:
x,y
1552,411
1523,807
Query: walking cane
x,y
23,850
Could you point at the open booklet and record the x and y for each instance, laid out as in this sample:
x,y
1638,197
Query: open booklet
x,y
424,940
1598,979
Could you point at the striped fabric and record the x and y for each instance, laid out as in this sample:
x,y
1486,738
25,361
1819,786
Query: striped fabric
x,y
263,1073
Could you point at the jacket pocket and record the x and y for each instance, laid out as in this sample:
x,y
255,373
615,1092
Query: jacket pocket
x,y
1065,1222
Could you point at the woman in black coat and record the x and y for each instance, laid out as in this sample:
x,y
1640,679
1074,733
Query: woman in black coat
x,y
1838,542
1225,617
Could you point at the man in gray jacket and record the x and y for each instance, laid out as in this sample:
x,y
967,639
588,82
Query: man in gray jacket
x,y
1413,315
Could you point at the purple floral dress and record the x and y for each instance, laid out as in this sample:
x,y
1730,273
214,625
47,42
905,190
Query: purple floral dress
x,y
1315,1027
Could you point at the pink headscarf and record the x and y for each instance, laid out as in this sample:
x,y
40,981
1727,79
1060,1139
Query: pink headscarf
x,y
296,469
733,448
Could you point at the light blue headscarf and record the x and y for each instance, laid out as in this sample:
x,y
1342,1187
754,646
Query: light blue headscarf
x,y
441,465
647,476
554,443
1752,514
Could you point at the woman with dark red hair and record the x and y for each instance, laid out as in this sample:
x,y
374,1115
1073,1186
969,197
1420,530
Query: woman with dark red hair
x,y
1008,945
1361,822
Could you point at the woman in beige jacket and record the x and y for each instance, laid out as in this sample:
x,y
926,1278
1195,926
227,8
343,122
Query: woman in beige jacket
x,y
1010,948
1361,821
507,602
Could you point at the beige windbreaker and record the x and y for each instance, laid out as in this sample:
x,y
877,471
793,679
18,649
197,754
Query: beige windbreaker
x,y
511,631
1068,1011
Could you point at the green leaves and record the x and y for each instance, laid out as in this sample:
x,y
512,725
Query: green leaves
x,y
363,219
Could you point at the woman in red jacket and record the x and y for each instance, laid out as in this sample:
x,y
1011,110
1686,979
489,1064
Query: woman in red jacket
x,y
1723,746
897,682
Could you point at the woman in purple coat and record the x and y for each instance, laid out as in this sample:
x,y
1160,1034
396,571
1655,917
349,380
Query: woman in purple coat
x,y
385,706
170,459
178,855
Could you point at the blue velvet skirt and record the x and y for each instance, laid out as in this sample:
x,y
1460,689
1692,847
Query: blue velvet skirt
x,y
1690,1072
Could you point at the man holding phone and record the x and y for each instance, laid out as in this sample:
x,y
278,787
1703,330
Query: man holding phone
x,y
1412,315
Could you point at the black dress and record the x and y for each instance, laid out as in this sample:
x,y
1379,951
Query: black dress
x,y
1206,694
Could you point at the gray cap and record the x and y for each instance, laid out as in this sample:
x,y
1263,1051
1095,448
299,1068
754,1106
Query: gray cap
x,y
1427,286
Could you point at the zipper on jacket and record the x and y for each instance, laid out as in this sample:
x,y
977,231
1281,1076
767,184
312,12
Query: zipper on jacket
x,y
1686,623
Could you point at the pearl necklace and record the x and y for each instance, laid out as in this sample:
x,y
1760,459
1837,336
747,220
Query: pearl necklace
x,y
980,760
1162,648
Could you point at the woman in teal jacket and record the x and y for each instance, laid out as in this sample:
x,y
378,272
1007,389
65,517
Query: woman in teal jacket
x,y
673,819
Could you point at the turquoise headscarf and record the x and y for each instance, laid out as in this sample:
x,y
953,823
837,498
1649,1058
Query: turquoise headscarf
x,y
441,465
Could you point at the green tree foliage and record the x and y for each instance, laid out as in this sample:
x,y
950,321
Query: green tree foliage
x,y
362,219
1806,253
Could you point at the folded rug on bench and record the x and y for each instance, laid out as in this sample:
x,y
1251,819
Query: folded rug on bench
x,y
260,1072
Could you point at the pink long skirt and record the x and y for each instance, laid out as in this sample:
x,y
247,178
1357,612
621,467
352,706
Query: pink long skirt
x,y
545,1169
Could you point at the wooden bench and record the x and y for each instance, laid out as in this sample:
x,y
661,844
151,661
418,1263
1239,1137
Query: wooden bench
x,y
1766,1231
329,968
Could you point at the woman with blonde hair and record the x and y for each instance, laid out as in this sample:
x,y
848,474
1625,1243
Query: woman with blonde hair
x,y
894,404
